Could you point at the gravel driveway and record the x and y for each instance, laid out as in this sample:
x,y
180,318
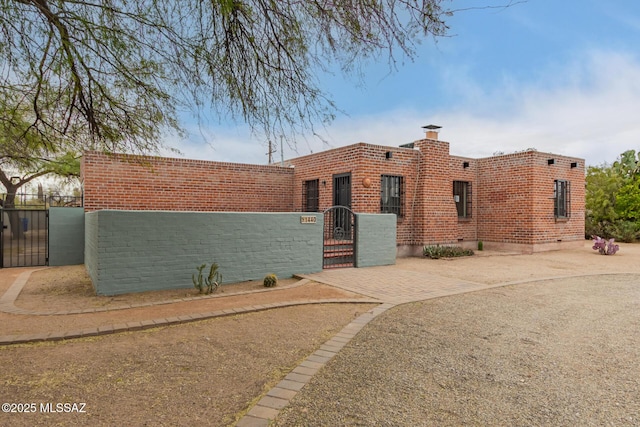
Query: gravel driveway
x,y
563,352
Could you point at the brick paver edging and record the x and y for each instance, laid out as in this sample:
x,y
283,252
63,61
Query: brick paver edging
x,y
8,298
165,321
268,407
7,301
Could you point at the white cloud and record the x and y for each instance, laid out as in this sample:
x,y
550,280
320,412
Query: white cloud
x,y
587,108
219,144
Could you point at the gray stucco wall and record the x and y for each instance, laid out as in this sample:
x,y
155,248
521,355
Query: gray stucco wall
x,y
66,236
91,245
376,239
134,251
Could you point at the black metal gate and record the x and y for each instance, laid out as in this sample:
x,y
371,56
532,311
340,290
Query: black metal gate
x,y
24,227
339,237
24,237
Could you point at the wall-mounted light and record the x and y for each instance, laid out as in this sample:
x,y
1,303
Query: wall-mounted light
x,y
574,165
551,161
388,155
465,165
324,183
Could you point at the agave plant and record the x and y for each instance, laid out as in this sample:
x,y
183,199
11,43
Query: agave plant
x,y
605,247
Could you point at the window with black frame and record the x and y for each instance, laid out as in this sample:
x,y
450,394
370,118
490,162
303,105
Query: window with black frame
x,y
462,197
391,194
311,196
561,198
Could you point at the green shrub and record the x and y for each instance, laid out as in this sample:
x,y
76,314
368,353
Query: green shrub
x,y
602,228
270,280
438,251
480,245
626,231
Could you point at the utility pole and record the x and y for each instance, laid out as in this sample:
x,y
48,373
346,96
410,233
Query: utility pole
x,y
281,153
271,151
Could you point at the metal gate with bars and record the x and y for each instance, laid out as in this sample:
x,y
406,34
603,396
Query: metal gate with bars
x,y
24,228
339,237
24,237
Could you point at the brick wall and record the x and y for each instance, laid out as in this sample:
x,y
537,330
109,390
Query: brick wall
x,y
428,171
157,183
546,228
466,169
516,204
366,163
505,198
435,192
512,195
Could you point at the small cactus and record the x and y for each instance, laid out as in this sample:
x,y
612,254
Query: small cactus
x,y
209,284
270,280
605,247
214,280
198,282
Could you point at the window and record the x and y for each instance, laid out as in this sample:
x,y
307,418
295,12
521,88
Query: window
x,y
391,194
310,196
462,197
561,198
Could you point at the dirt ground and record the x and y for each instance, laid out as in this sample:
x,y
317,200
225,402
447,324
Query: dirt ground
x,y
70,288
197,374
201,373
60,289
561,352
207,372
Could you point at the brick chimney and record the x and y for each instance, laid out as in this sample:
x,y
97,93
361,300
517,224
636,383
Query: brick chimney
x,y
432,131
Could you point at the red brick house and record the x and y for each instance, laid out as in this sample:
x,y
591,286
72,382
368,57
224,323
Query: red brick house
x,y
527,201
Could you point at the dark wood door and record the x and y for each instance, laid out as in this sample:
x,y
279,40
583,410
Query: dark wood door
x,y
342,190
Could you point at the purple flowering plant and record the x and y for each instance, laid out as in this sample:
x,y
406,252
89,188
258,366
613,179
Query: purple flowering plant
x,y
605,247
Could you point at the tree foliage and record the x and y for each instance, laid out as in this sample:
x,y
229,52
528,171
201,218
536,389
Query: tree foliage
x,y
600,199
24,157
613,198
114,74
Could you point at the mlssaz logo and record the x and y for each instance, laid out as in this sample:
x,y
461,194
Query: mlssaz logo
x,y
63,407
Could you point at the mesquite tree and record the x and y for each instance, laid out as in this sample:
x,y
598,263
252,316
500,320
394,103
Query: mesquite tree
x,y
24,157
114,74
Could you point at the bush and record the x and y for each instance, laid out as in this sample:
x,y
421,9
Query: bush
x,y
601,228
626,231
437,251
270,280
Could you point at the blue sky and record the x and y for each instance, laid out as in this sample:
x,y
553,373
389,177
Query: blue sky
x,y
560,76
